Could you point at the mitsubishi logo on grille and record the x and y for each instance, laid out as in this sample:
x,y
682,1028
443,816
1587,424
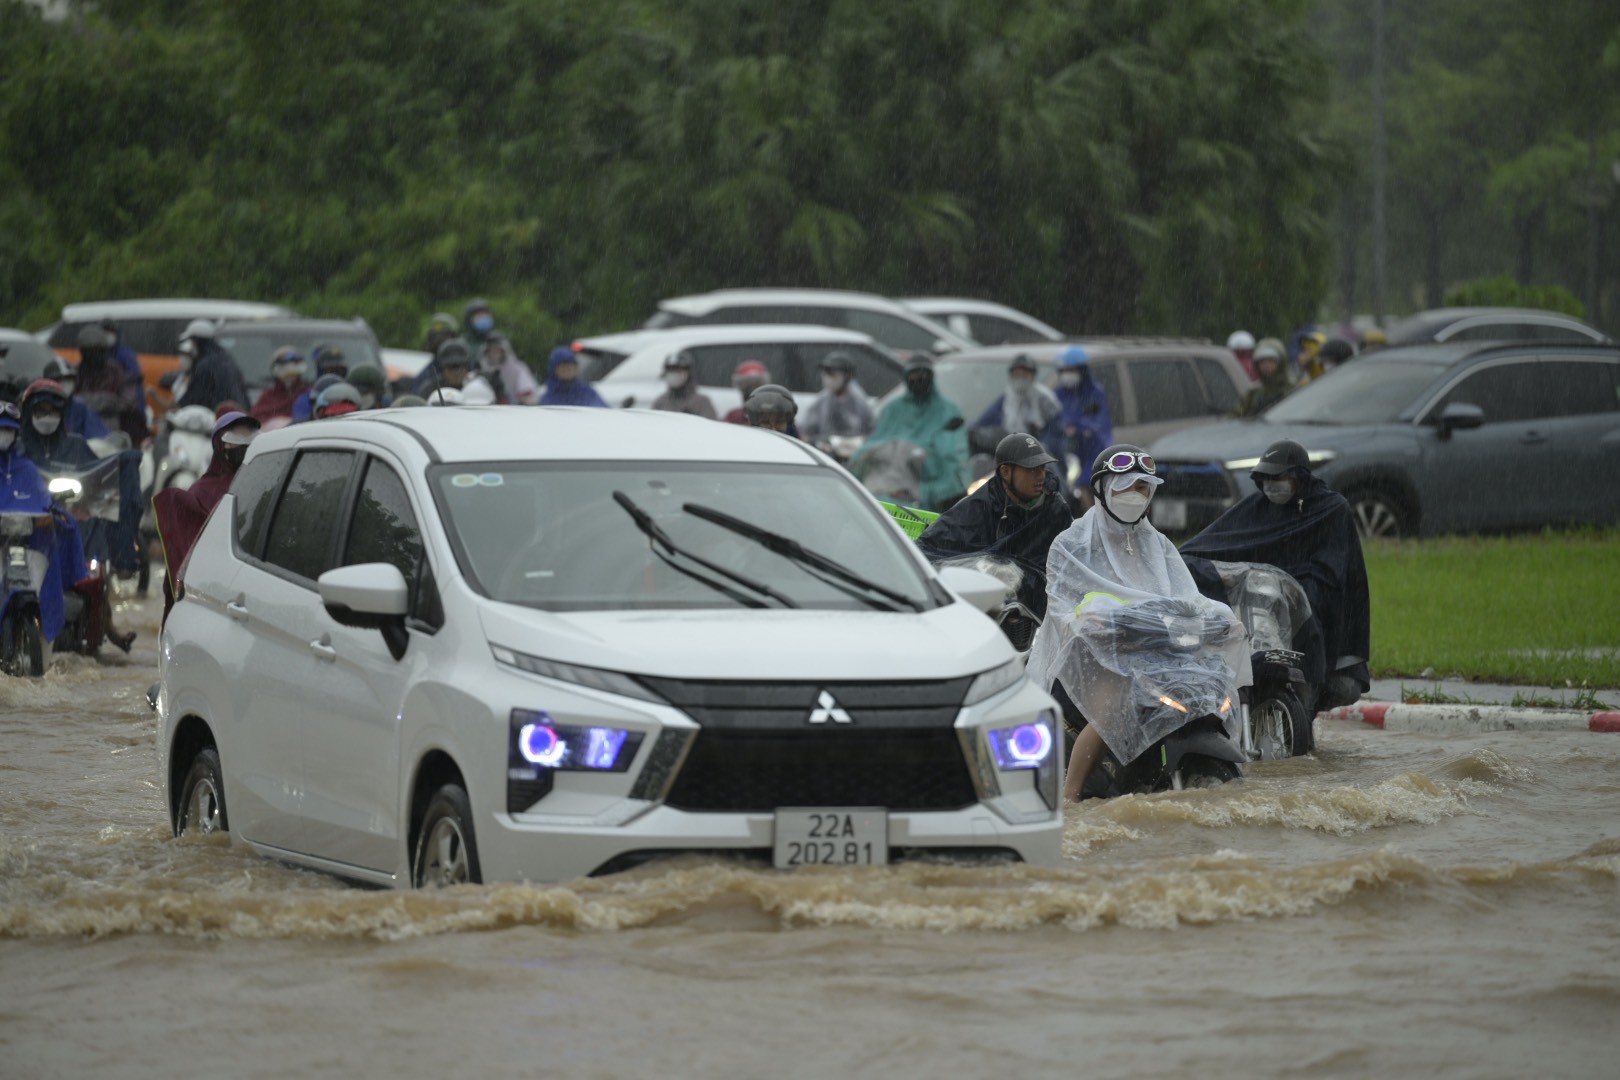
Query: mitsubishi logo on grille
x,y
827,708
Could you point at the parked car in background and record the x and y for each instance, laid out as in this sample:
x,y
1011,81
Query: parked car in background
x,y
983,321
435,647
1490,324
152,328
1428,439
253,342
22,356
627,369
1154,385
883,320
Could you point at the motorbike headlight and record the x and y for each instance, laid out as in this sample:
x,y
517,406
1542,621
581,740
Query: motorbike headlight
x,y
538,748
612,682
66,486
994,681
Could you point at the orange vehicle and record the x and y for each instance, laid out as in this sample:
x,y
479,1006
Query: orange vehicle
x,y
152,328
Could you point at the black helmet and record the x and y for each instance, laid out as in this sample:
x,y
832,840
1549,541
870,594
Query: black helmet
x,y
1120,458
474,306
1022,362
328,357
1336,350
94,337
682,360
838,360
770,402
453,353
1022,450
57,369
1281,458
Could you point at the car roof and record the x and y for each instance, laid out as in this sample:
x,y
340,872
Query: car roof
x,y
703,303
91,311
9,334
278,323
468,433
1097,347
742,334
1437,318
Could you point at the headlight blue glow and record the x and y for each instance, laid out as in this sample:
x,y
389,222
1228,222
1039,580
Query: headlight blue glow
x,y
592,678
541,742
540,745
1025,746
994,681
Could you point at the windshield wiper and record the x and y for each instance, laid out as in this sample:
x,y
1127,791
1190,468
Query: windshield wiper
x,y
658,536
789,548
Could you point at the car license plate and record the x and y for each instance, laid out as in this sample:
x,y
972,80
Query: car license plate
x,y
1169,513
831,838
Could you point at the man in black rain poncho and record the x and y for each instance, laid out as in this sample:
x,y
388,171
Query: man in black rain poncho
x,y
1296,523
1015,515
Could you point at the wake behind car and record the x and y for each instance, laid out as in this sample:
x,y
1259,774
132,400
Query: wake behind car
x,y
1427,439
430,646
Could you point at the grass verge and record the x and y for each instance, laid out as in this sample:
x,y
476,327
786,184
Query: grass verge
x,y
1541,609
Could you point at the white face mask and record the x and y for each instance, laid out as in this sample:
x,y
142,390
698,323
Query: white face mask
x,y
1278,491
1069,378
8,436
675,379
1021,384
1128,506
47,425
833,380
368,401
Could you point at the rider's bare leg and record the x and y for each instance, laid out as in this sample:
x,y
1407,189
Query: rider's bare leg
x,y
1088,747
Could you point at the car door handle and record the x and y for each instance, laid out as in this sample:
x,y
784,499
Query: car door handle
x,y
323,648
1531,437
236,609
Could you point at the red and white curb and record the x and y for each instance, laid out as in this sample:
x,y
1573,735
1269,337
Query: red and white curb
x,y
1472,719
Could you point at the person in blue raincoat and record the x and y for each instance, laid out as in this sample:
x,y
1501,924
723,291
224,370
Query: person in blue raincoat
x,y
1087,423
925,417
1028,407
563,384
23,490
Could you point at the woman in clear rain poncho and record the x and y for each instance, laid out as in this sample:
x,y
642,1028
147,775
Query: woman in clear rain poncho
x,y
1109,560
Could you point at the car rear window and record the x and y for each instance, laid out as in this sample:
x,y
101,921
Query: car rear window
x,y
252,348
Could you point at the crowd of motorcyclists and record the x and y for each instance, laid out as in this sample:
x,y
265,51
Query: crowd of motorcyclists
x,y
1058,500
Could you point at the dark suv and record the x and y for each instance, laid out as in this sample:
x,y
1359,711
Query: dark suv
x,y
1428,439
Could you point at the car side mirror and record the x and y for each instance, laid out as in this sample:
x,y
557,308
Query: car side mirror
x,y
975,587
1460,416
370,596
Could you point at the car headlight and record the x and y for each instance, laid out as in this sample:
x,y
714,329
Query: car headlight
x,y
994,681
1316,457
538,748
1031,745
592,678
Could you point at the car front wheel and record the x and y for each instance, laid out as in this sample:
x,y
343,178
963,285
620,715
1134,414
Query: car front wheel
x,y
1378,516
446,851
202,797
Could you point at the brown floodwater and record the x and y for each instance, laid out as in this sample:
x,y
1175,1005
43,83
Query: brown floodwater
x,y
1397,904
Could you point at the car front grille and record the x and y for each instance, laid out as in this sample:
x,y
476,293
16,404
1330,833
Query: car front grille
x,y
896,746
1194,480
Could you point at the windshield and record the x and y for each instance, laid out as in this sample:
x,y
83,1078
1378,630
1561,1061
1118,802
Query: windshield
x,y
252,349
550,535
1367,392
973,384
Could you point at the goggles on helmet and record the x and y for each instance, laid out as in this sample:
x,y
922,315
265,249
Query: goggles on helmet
x,y
10,411
1126,460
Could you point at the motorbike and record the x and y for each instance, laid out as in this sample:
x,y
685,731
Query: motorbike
x,y
892,470
840,447
1014,617
1273,608
1160,661
91,497
22,642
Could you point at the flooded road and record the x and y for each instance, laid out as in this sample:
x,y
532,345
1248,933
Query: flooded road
x,y
1396,904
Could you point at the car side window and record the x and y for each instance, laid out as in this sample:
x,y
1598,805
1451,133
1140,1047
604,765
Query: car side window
x,y
893,331
993,330
1106,373
1166,390
1506,392
877,373
1580,387
384,529
300,535
255,488
713,365
1218,389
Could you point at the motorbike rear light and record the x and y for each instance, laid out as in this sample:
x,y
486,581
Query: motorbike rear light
x,y
1174,704
1025,746
1226,706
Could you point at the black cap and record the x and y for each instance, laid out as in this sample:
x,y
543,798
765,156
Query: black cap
x,y
1280,457
1022,450
1022,362
454,354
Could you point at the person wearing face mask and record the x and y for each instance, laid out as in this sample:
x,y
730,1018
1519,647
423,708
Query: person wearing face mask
x,y
211,373
287,385
122,356
106,388
1111,557
1241,345
441,327
563,384
479,323
1088,423
1271,365
1014,515
53,449
453,370
369,383
681,393
1295,522
329,361
80,418
181,513
513,381
772,407
1026,406
24,491
927,419
749,376
842,407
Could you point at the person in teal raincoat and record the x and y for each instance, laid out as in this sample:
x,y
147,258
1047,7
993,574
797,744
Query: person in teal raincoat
x,y
925,417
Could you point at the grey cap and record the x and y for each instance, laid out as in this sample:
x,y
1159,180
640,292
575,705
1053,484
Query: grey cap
x,y
1022,450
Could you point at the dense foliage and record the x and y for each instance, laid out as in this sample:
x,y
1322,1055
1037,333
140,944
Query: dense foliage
x,y
1108,164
